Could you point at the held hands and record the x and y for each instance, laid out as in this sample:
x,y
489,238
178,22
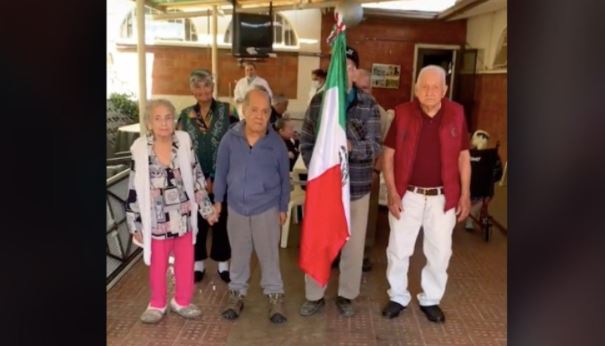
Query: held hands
x,y
212,219
464,207
282,218
395,205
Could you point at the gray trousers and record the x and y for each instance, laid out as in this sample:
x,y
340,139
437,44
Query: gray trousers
x,y
351,256
260,233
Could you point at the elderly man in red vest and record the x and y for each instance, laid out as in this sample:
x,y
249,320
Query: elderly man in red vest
x,y
427,171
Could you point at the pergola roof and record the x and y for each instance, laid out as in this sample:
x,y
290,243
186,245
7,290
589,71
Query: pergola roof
x,y
454,12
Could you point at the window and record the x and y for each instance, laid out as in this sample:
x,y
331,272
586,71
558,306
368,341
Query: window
x,y
178,29
283,33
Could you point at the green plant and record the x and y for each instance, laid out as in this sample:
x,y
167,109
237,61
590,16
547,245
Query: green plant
x,y
123,104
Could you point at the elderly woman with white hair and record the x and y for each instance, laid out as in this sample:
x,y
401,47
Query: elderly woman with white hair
x,y
166,191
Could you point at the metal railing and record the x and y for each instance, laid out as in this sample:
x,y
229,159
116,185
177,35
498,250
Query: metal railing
x,y
120,251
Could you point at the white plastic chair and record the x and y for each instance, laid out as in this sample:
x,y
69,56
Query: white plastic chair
x,y
297,198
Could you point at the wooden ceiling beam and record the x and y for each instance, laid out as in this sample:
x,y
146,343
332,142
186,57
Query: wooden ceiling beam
x,y
194,3
259,6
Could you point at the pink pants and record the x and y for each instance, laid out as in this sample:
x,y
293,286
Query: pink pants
x,y
182,247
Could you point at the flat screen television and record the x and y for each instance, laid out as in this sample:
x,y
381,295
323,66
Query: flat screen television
x,y
252,35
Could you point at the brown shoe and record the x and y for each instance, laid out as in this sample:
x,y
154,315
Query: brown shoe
x,y
235,305
276,308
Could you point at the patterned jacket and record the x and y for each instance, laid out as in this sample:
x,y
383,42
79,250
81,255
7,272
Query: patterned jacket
x,y
363,130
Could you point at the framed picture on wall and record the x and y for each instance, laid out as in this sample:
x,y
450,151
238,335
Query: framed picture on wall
x,y
385,76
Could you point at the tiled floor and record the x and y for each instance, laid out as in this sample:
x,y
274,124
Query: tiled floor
x,y
474,304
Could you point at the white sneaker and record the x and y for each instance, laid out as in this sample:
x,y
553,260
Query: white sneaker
x,y
191,311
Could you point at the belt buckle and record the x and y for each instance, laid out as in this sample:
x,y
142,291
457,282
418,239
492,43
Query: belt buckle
x,y
427,191
419,190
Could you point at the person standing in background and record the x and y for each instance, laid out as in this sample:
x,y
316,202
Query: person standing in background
x,y
363,141
285,129
206,122
278,108
250,79
318,81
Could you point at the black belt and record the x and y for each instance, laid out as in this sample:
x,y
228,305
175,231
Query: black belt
x,y
432,191
360,161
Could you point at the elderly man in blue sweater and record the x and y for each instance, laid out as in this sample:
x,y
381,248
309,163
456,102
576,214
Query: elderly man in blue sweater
x,y
252,167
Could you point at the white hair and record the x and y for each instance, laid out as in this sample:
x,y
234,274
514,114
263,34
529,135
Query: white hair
x,y
440,70
152,104
201,76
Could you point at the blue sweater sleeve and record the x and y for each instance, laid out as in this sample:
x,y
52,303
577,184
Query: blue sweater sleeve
x,y
222,169
284,175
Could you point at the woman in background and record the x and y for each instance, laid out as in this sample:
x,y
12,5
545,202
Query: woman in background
x,y
207,121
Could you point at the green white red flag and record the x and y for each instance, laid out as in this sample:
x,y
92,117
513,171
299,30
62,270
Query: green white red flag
x,y
326,225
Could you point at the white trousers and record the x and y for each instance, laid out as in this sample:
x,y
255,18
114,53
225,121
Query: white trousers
x,y
425,211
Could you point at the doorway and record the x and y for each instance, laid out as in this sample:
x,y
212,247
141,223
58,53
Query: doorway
x,y
435,54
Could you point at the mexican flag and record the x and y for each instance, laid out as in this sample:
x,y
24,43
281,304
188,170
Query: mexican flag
x,y
326,225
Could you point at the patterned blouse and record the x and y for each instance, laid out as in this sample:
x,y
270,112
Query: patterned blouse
x,y
170,207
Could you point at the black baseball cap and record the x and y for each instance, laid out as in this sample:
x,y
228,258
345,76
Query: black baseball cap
x,y
352,54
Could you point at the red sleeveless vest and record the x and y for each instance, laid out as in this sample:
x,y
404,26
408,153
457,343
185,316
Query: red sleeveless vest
x,y
452,132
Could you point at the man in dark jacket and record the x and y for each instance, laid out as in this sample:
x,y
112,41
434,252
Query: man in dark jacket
x,y
363,138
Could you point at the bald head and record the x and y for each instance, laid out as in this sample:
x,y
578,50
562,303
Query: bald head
x,y
256,89
257,109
